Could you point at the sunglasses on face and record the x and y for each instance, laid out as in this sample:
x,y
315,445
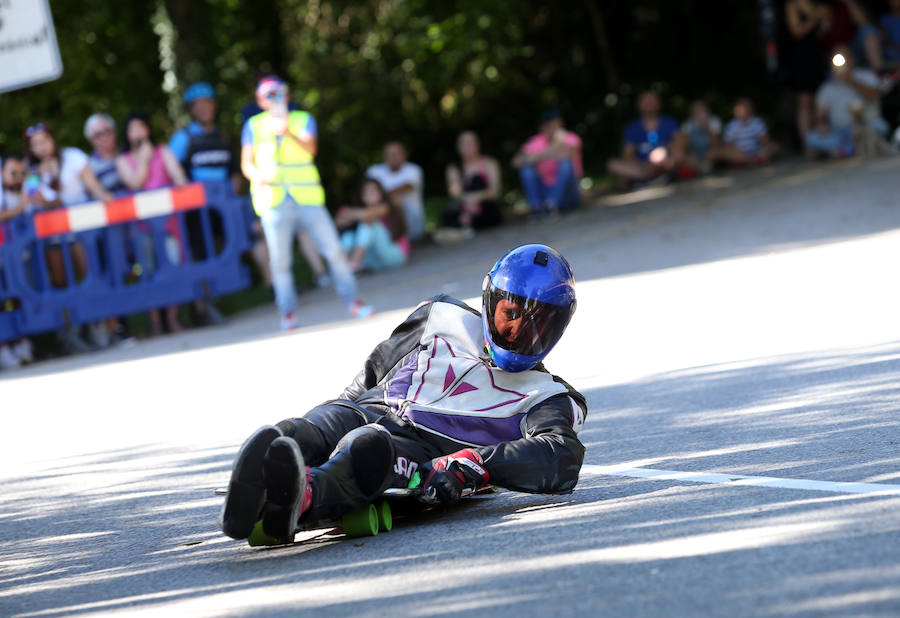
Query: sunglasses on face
x,y
36,128
15,174
101,133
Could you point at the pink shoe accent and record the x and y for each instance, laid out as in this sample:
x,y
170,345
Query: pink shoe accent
x,y
307,496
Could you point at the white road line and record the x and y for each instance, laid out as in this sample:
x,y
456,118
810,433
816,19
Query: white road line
x,y
881,489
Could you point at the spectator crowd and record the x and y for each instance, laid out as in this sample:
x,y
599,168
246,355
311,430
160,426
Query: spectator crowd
x,y
840,64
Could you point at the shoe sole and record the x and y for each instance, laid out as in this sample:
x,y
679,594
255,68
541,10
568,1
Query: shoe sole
x,y
285,473
247,489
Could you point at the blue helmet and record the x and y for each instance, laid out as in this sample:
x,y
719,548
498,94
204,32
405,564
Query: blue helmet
x,y
199,90
528,299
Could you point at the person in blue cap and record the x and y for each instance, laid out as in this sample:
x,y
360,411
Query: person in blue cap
x,y
205,154
457,396
203,150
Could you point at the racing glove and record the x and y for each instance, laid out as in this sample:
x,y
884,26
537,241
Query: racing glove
x,y
446,477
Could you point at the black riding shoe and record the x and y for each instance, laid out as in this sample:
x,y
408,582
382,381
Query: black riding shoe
x,y
247,488
285,473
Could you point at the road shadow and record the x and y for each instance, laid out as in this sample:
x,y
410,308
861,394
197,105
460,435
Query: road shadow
x,y
817,415
133,530
742,213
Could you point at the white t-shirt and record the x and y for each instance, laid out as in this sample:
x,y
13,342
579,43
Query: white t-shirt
x,y
71,189
9,199
837,97
413,207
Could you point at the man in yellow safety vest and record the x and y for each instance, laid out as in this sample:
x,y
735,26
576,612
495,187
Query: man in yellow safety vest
x,y
278,147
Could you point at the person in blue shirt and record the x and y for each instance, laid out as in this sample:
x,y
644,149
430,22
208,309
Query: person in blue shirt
x,y
202,149
654,145
205,155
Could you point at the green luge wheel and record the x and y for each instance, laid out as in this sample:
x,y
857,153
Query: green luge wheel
x,y
385,519
362,522
259,538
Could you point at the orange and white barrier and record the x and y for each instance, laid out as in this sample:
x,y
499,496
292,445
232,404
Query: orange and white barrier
x,y
144,205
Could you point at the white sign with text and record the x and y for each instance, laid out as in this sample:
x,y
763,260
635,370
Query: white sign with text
x,y
29,53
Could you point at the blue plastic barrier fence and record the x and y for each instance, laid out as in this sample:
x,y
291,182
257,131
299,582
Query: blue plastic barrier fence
x,y
95,261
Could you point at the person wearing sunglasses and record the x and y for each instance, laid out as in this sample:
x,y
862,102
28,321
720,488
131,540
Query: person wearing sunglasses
x,y
454,397
100,131
63,177
278,149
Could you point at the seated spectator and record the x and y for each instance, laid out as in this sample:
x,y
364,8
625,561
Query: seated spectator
x,y
404,183
143,166
703,131
746,138
890,30
100,131
654,145
12,204
62,177
846,104
473,185
550,167
374,234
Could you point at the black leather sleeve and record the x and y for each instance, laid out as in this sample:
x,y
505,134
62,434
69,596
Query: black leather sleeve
x,y
390,352
547,460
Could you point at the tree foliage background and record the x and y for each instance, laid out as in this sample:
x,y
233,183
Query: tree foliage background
x,y
371,70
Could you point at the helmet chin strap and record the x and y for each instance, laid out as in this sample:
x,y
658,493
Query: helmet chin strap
x,y
488,354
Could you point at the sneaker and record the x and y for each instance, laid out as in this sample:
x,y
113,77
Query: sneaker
x,y
285,478
8,360
210,316
247,488
359,309
24,351
98,335
72,343
289,321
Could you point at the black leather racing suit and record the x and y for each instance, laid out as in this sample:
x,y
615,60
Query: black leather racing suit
x,y
432,386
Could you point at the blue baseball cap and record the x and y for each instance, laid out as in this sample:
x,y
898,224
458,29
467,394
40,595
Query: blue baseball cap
x,y
199,90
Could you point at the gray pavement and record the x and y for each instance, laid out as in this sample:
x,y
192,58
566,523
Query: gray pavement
x,y
745,324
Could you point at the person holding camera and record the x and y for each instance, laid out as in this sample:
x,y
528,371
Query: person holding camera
x,y
848,105
278,149
142,166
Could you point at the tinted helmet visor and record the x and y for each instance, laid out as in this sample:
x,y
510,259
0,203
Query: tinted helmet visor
x,y
524,325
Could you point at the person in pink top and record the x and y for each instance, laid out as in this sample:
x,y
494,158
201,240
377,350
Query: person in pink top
x,y
550,167
142,166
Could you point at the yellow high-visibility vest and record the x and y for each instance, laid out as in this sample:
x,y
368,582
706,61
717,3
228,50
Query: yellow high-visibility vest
x,y
296,173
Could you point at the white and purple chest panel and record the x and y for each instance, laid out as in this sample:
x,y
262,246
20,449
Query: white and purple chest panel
x,y
448,390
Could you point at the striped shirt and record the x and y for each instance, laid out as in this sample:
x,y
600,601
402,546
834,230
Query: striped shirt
x,y
746,136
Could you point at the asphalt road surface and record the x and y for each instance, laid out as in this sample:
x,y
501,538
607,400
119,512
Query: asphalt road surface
x,y
738,341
